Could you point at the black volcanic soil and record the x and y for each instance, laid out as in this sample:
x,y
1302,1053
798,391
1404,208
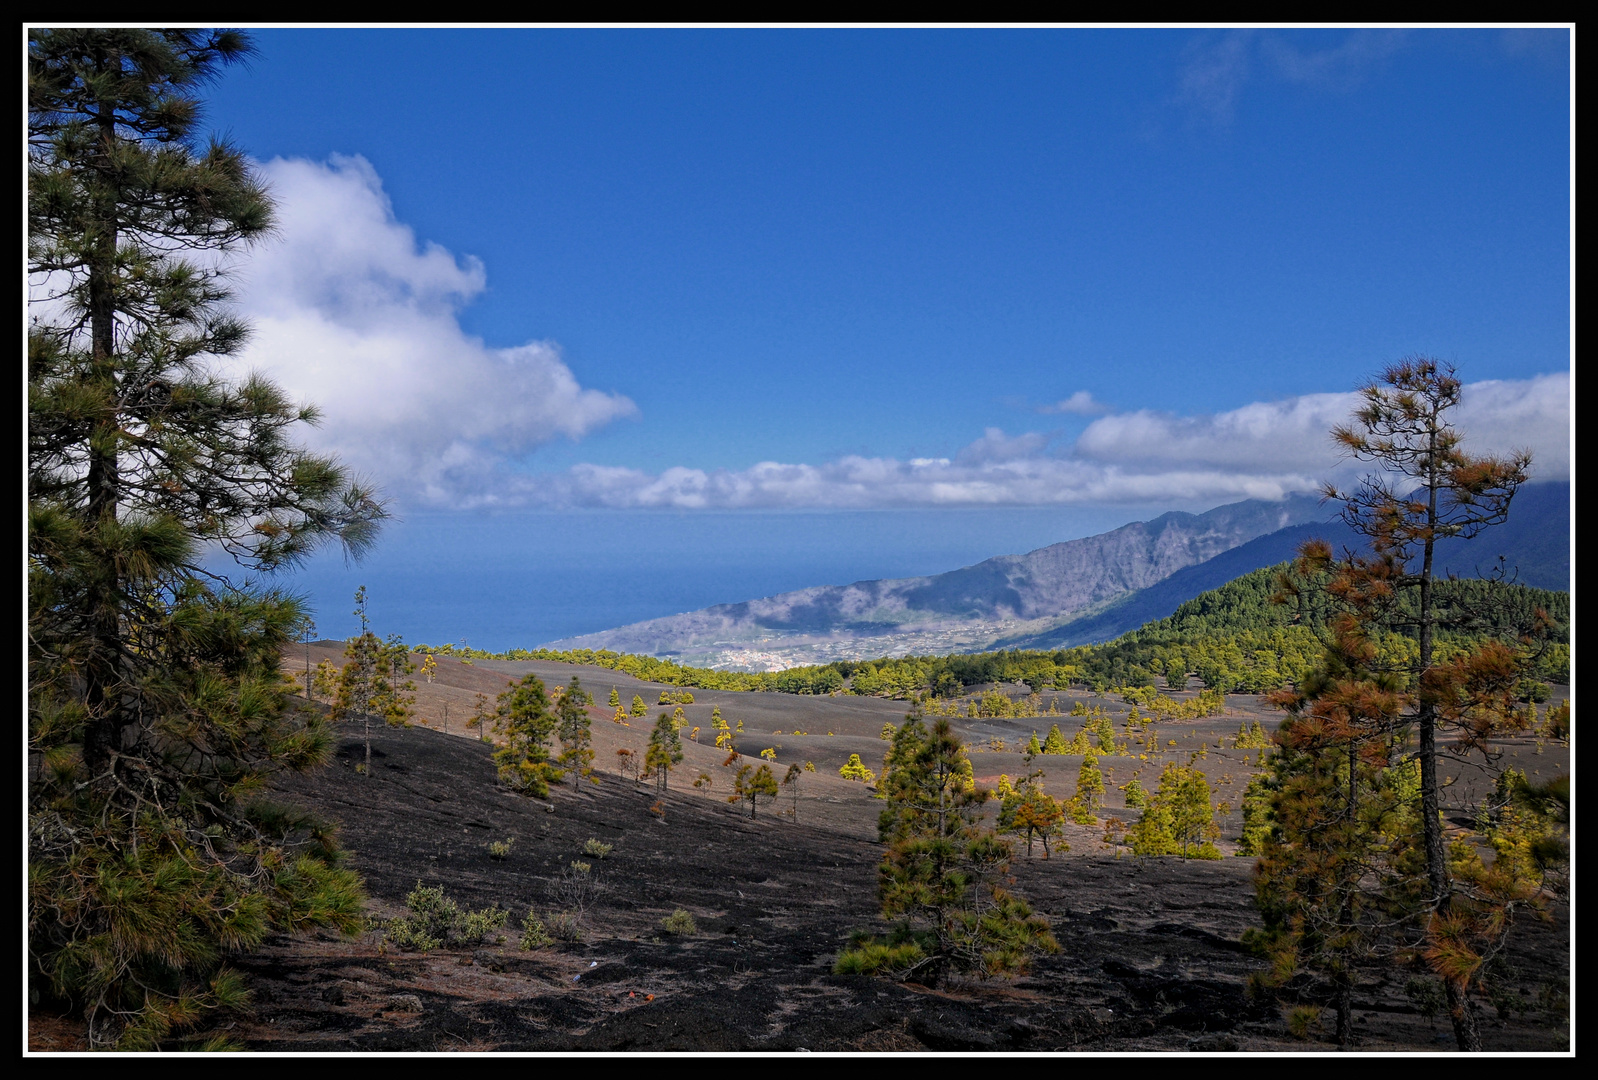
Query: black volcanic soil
x,y
1149,955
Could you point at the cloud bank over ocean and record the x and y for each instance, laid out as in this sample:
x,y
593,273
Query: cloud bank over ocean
x,y
352,313
1264,450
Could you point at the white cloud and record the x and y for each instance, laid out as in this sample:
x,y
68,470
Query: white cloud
x,y
1292,435
1213,74
1080,403
352,314
1215,70
1263,450
1341,67
995,446
1500,416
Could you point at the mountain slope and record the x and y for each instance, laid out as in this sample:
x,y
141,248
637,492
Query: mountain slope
x,y
1534,542
958,610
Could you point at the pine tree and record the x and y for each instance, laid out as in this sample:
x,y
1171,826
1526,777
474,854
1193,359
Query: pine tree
x,y
790,781
1055,742
719,726
576,753
1427,489
855,769
664,751
1032,813
155,705
943,869
1340,832
615,698
638,706
325,683
395,692
1089,789
481,714
359,684
522,717
1178,819
754,784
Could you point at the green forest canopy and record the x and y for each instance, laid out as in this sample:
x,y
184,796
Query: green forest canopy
x,y
1233,638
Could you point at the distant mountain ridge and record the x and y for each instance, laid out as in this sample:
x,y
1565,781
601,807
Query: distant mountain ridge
x,y
1077,592
1534,543
960,609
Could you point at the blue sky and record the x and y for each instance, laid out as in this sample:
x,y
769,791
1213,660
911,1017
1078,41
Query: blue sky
x,y
730,271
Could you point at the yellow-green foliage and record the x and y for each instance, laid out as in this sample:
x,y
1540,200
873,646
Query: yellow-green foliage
x,y
1089,788
1178,819
876,958
1256,816
1207,703
1033,814
524,721
753,784
534,934
1251,737
1555,723
1136,798
679,922
856,769
436,920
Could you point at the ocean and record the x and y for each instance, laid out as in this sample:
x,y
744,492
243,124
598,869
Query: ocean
x,y
519,580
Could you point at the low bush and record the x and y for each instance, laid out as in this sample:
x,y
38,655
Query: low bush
x,y
534,934
436,920
679,922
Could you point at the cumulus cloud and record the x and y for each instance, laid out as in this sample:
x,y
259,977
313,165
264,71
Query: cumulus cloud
x,y
350,312
1263,450
1080,403
870,483
995,446
1495,417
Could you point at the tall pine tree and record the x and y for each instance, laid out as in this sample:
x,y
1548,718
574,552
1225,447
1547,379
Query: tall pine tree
x,y
155,705
1427,489
943,869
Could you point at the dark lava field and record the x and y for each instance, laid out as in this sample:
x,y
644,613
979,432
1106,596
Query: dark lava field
x,y
1149,958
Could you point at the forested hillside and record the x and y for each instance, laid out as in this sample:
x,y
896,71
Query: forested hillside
x,y
1234,638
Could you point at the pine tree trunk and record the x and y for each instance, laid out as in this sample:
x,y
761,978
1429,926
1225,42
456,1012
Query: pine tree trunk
x,y
103,733
1345,1013
1462,1013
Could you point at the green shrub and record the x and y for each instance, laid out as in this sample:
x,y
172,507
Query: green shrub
x,y
878,958
1302,1020
597,848
498,849
435,919
534,934
679,922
